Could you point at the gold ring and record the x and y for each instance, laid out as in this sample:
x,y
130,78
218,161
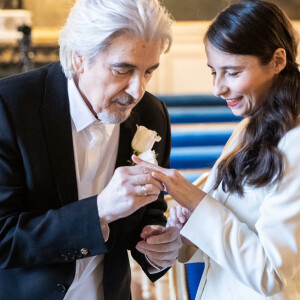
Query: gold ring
x,y
144,189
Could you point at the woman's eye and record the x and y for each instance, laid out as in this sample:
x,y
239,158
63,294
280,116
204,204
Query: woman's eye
x,y
213,73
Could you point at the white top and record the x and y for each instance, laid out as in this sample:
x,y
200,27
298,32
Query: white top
x,y
251,245
88,280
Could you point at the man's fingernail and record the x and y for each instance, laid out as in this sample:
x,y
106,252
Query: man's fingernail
x,y
181,220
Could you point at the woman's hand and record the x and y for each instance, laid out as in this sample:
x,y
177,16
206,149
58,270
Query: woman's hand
x,y
184,192
178,216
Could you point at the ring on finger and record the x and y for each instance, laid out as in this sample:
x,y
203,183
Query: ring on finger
x,y
144,189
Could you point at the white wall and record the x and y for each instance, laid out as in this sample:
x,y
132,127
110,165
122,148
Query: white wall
x,y
184,69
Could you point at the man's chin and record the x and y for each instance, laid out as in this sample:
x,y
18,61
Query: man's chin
x,y
113,118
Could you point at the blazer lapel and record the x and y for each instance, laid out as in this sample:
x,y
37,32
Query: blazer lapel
x,y
127,131
57,126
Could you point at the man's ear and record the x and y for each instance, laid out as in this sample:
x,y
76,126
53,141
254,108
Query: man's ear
x,y
77,63
279,60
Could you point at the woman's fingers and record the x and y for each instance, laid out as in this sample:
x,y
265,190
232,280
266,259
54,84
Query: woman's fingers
x,y
144,163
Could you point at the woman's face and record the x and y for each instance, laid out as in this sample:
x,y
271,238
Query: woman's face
x,y
241,80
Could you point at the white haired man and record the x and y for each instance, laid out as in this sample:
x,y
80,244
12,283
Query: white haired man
x,y
66,132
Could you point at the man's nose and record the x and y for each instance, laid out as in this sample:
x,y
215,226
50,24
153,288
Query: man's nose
x,y
136,87
220,88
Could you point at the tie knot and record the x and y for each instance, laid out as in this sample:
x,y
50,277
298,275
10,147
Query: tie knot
x,y
97,132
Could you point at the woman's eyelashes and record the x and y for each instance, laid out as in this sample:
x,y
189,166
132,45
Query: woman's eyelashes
x,y
233,74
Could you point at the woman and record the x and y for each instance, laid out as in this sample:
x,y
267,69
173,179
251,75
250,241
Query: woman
x,y
245,223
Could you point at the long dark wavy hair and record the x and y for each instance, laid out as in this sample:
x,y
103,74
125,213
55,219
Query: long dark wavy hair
x,y
256,27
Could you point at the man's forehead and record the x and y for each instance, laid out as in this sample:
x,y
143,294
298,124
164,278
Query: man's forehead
x,y
128,51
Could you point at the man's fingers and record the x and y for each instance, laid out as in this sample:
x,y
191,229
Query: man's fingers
x,y
151,230
143,163
160,248
146,190
134,170
170,235
145,179
158,255
164,263
162,178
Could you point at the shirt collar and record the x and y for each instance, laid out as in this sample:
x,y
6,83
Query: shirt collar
x,y
80,113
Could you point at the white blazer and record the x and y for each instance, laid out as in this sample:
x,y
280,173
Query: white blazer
x,y
250,245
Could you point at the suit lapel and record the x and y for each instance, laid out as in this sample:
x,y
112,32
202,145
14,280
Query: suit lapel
x,y
127,131
58,131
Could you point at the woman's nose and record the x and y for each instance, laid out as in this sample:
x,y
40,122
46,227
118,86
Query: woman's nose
x,y
220,88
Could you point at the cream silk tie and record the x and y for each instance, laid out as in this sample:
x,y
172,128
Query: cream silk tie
x,y
96,136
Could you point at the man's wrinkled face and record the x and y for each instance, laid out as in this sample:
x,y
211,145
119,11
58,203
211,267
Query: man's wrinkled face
x,y
116,80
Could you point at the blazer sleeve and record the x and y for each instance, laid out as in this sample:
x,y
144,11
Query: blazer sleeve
x,y
154,212
266,257
31,236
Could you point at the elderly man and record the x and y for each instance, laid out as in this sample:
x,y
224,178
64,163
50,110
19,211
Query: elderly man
x,y
65,135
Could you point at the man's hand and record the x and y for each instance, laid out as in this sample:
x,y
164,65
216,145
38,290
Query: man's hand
x,y
129,189
161,244
181,190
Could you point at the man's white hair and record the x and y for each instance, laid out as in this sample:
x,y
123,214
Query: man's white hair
x,y
93,24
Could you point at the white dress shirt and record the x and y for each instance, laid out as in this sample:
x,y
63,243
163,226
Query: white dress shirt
x,y
251,244
91,179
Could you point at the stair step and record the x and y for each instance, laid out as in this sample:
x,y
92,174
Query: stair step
x,y
195,157
192,174
200,138
192,100
201,115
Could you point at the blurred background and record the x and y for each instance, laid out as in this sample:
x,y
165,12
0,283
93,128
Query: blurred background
x,y
29,32
200,123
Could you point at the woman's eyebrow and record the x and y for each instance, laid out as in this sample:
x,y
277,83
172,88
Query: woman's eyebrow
x,y
227,67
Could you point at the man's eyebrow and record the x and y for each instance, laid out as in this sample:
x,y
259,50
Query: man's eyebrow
x,y
153,67
130,66
227,67
123,65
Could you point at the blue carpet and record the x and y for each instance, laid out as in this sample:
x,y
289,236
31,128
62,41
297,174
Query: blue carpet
x,y
200,138
192,100
194,157
192,176
194,273
202,115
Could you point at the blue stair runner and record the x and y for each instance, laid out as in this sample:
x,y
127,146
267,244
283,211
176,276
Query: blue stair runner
x,y
184,115
192,100
200,138
195,157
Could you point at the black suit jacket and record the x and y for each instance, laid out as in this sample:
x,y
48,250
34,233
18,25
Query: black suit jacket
x,y
44,229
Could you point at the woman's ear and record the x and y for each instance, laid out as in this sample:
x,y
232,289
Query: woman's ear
x,y
77,63
279,60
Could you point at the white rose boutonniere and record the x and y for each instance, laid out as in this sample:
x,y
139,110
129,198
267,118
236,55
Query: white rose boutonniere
x,y
143,142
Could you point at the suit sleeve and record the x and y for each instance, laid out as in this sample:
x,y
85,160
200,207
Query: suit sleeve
x,y
154,213
31,236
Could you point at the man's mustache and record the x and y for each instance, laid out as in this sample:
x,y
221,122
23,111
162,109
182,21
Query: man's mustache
x,y
124,100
